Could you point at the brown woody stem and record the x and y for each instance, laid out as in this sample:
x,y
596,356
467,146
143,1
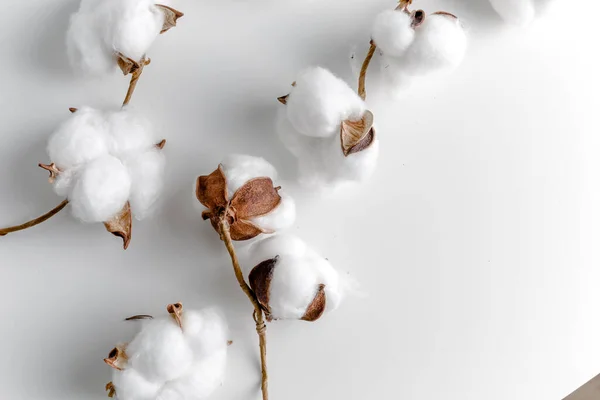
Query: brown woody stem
x,y
36,221
135,77
362,92
261,328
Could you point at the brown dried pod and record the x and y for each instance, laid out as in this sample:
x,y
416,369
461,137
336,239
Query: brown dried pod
x,y
171,17
357,135
120,225
117,358
257,197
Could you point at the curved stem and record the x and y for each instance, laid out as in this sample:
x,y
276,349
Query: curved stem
x,y
363,71
261,328
35,221
135,77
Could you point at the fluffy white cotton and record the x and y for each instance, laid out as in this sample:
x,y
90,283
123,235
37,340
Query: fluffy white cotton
x,y
439,46
392,32
319,101
283,216
517,12
130,385
147,172
101,190
106,158
239,169
321,162
169,362
160,352
81,138
296,277
103,28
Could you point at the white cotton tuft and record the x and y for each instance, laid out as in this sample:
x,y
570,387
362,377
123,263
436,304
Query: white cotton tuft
x,y
321,162
283,216
64,181
129,132
130,385
101,190
81,138
319,101
239,169
147,181
516,12
102,28
206,331
296,277
393,32
160,352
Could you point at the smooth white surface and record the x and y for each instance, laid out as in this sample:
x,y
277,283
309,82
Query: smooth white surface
x,y
476,240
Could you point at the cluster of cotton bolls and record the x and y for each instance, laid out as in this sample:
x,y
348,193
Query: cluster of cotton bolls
x,y
414,45
519,12
292,281
104,160
242,187
179,357
327,126
102,30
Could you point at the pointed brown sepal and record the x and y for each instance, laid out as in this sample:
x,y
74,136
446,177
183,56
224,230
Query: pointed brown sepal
x,y
260,282
176,311
255,198
283,99
357,135
120,225
211,190
317,307
126,64
139,317
110,388
73,110
54,171
161,145
417,18
171,17
244,230
117,358
403,4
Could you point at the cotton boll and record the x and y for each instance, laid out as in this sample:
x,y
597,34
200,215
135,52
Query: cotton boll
x,y
292,285
64,181
517,12
319,101
283,216
239,169
392,32
147,180
129,132
206,332
130,385
102,28
81,138
203,378
160,352
101,190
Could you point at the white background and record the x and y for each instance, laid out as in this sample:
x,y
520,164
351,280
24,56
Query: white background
x,y
476,240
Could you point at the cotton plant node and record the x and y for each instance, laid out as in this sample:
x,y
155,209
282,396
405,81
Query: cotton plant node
x,y
109,166
413,45
241,203
104,34
180,356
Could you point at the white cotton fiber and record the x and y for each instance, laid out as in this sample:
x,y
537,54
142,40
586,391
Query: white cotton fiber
x,y
206,331
101,190
103,28
147,172
392,32
283,216
319,101
298,272
160,352
130,385
129,132
321,162
81,138
517,12
239,169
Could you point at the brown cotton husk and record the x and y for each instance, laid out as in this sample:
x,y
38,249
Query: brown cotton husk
x,y
260,282
255,198
315,310
171,17
117,358
110,388
53,169
120,225
357,135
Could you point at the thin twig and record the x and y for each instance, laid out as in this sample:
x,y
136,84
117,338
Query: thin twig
x,y
36,221
261,328
363,71
135,77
